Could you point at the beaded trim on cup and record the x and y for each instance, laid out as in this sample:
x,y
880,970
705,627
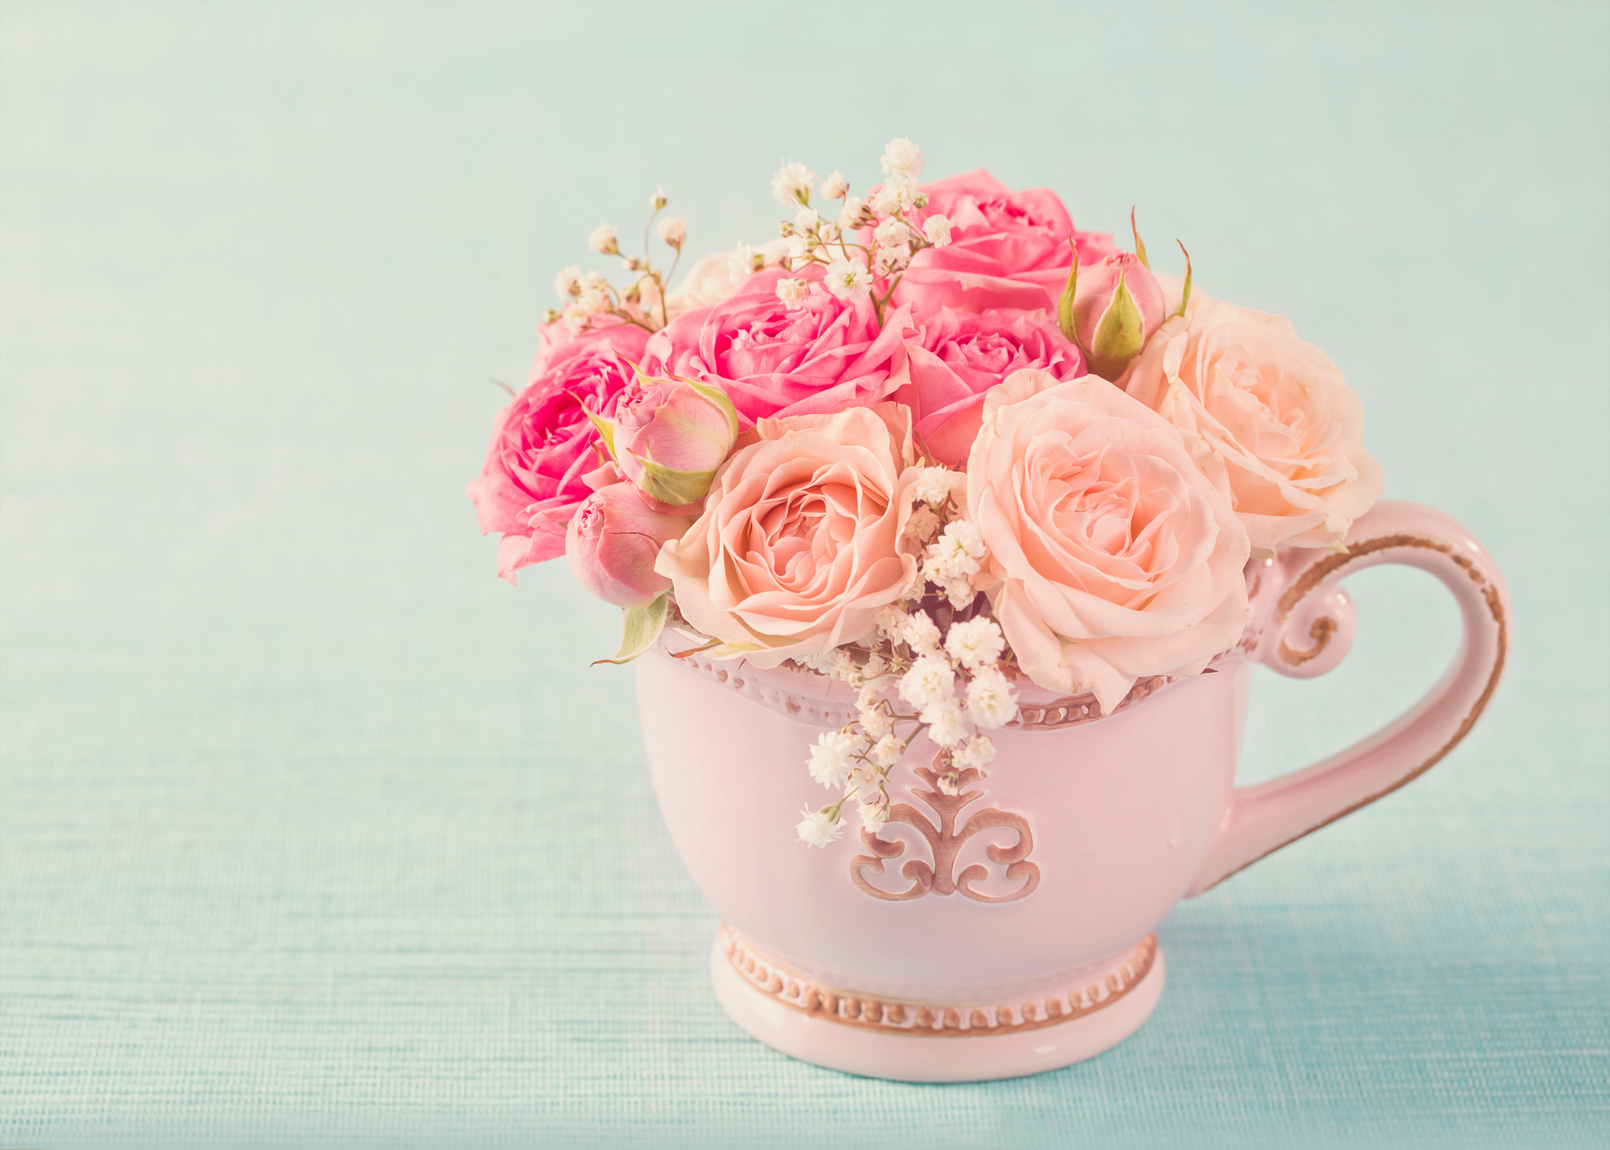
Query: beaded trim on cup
x,y
1064,712
930,1019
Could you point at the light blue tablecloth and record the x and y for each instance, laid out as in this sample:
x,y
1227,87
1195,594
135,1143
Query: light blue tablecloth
x,y
311,829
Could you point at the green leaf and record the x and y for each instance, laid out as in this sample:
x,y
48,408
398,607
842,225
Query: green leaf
x,y
1065,304
1185,298
670,486
1140,247
1120,334
640,627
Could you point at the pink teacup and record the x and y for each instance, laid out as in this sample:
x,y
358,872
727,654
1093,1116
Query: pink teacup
x,y
1009,929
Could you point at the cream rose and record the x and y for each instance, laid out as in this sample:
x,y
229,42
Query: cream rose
x,y
710,280
1115,555
714,277
798,544
1240,383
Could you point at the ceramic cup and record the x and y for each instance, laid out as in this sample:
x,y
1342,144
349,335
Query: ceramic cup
x,y
1008,929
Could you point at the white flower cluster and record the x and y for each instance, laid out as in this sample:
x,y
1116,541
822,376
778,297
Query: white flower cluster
x,y
933,666
955,548
586,297
867,245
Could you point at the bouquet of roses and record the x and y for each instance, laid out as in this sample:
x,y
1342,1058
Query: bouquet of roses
x,y
934,442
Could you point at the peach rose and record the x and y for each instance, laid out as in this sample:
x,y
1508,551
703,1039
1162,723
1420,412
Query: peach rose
x,y
798,544
1116,557
1240,383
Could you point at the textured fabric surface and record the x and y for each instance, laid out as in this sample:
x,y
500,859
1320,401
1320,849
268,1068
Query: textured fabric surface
x,y
313,830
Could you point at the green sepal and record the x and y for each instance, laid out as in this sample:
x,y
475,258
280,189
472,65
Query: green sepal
x,y
606,430
670,486
718,397
1065,304
1120,334
1140,246
1185,296
640,628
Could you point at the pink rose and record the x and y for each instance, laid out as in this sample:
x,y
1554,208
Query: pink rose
x,y
545,453
959,356
1274,409
770,360
557,334
1116,556
1007,249
798,545
613,540
1117,306
671,435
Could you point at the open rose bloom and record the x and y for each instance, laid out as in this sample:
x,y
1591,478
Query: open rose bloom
x,y
933,441
1274,410
1117,557
798,546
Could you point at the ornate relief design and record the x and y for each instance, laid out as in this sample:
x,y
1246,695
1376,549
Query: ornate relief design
x,y
934,1019
944,842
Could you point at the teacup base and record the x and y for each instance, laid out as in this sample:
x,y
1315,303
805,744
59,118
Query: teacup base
x,y
912,1040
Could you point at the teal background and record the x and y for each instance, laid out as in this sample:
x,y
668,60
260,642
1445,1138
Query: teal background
x,y
313,830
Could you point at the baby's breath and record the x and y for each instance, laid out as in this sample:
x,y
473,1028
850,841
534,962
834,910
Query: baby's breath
x,y
934,670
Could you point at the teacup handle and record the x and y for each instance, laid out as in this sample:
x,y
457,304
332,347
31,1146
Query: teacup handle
x,y
1305,627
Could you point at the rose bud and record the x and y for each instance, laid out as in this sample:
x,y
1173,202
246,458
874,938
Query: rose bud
x,y
1116,306
670,435
1111,308
613,540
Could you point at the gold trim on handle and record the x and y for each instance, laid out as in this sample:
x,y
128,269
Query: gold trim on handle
x,y
1311,579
